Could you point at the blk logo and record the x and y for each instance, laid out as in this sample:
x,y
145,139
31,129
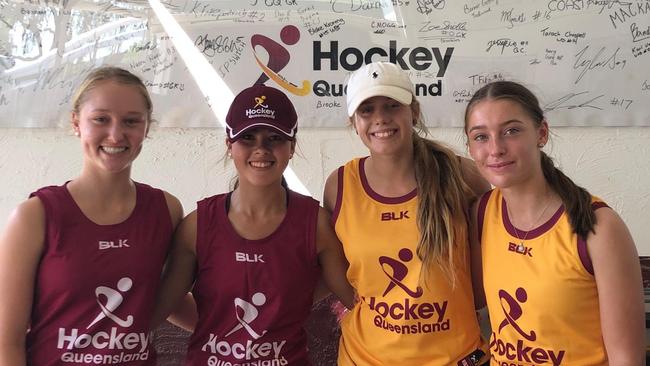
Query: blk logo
x,y
113,245
246,312
512,310
250,258
393,216
396,271
112,300
520,249
278,58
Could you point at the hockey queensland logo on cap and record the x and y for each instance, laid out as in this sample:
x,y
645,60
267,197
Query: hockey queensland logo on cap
x,y
261,106
260,109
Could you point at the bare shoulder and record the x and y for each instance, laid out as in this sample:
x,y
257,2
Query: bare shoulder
x,y
609,232
175,208
22,240
29,216
473,178
331,191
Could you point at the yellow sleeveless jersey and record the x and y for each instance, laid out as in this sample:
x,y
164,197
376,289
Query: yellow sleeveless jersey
x,y
398,321
541,294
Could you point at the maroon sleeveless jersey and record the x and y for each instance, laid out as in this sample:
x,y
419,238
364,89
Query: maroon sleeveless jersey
x,y
253,296
96,284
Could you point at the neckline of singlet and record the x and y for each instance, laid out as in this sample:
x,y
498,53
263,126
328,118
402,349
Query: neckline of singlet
x,y
133,213
378,197
275,232
534,232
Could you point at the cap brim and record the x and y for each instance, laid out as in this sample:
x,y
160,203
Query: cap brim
x,y
399,94
234,135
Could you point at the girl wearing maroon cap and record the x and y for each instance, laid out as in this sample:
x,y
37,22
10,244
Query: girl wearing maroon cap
x,y
252,256
80,262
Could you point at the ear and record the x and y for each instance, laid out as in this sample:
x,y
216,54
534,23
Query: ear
x,y
354,126
542,132
293,146
75,123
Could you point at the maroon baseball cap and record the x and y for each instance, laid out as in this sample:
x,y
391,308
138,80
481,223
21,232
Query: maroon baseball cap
x,y
261,106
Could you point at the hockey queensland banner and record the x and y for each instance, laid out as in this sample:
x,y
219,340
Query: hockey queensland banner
x,y
311,64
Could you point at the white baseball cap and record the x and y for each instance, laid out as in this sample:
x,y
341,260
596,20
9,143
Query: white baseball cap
x,y
378,79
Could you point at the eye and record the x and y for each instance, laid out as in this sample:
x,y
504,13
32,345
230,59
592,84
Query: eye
x,y
479,137
511,131
133,121
100,119
276,138
364,109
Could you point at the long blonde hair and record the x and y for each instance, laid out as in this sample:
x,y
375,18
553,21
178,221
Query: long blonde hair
x,y
443,202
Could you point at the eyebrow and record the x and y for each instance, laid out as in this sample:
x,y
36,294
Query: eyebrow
x,y
109,110
482,127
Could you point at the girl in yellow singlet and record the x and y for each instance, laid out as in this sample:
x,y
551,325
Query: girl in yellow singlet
x,y
401,216
560,270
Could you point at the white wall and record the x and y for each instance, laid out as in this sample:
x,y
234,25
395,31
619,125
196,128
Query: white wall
x,y
613,163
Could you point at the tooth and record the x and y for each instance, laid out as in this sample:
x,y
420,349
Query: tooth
x,y
260,164
113,150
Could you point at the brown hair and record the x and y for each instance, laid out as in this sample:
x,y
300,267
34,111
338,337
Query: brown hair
x,y
110,73
576,200
443,200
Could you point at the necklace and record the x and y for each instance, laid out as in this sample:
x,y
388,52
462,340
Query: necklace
x,y
521,248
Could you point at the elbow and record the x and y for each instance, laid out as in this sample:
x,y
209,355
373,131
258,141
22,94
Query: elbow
x,y
635,357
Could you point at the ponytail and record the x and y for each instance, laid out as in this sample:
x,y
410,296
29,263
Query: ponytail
x,y
577,201
442,206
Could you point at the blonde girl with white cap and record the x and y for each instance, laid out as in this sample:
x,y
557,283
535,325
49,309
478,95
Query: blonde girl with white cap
x,y
401,215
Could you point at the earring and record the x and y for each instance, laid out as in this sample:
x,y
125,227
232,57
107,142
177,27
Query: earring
x,y
540,145
76,133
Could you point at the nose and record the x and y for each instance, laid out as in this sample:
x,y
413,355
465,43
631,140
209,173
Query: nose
x,y
379,116
115,131
261,144
497,146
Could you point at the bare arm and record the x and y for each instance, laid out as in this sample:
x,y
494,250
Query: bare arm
x,y
476,264
185,315
331,191
473,178
333,263
175,209
178,275
618,279
21,246
329,200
